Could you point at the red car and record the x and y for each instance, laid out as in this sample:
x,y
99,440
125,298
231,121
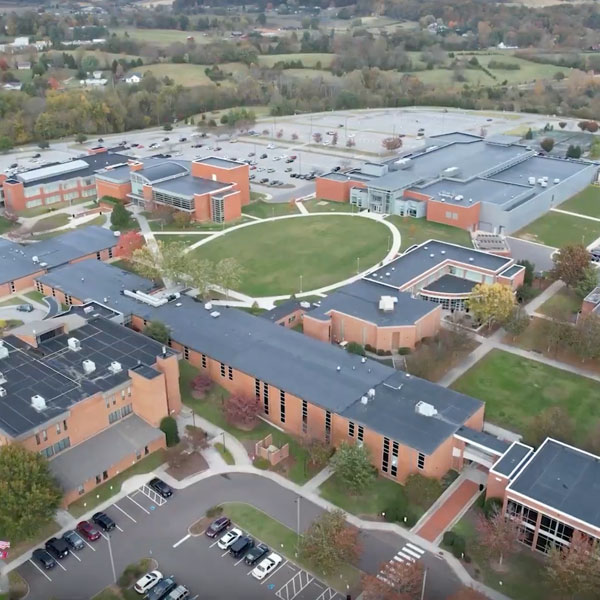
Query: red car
x,y
88,531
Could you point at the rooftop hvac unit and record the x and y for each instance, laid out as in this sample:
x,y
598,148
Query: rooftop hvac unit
x,y
458,198
88,309
74,344
208,306
531,181
2,392
43,264
304,304
115,367
364,400
386,303
89,366
371,393
215,313
557,180
38,402
35,259
544,184
425,409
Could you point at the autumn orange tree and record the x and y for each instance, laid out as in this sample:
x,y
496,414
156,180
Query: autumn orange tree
x,y
241,410
395,581
498,535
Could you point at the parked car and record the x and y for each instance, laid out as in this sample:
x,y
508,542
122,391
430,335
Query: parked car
x,y
160,487
44,558
230,538
88,531
336,169
218,148
242,546
288,169
57,547
179,593
104,521
277,158
147,582
14,166
252,177
161,589
271,147
75,542
264,180
197,145
183,139
25,308
251,154
266,566
134,144
289,160
217,526
271,170
255,554
263,156
165,139
36,155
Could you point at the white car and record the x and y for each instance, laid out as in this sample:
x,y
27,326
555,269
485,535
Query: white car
x,y
230,538
271,147
266,566
149,580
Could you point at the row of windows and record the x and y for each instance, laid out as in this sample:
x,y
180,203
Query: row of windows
x,y
56,448
118,414
282,406
226,372
44,433
176,201
304,416
327,427
113,398
351,429
451,215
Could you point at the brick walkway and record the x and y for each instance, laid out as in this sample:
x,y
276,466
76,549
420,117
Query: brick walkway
x,y
440,520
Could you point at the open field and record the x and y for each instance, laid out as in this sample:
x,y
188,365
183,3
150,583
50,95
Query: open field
x,y
308,60
557,230
320,250
587,202
564,302
516,389
264,210
160,36
415,231
182,74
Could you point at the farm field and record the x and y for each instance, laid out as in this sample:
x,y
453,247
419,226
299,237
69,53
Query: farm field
x,y
182,74
308,60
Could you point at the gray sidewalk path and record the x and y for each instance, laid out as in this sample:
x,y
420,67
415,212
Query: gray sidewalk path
x,y
312,485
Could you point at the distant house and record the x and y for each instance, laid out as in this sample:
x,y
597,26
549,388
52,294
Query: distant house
x,y
93,82
21,42
97,74
133,78
12,87
24,65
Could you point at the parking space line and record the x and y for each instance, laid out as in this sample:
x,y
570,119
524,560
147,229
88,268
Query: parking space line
x,y
58,563
130,498
183,539
238,562
89,545
119,528
75,555
273,573
214,543
117,506
40,570
225,553
105,537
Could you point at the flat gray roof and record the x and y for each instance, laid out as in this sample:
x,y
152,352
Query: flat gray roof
x,y
361,299
16,260
162,170
512,458
281,310
542,166
78,464
430,254
217,161
393,411
563,478
450,284
484,439
188,185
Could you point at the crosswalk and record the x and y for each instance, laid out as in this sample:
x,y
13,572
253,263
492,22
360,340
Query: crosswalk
x,y
409,553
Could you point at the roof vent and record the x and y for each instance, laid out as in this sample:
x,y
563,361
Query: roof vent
x,y
386,303
387,274
43,264
115,367
371,393
363,359
215,313
38,402
425,409
364,400
442,252
338,368
88,309
74,344
89,366
431,255
471,259
35,259
208,306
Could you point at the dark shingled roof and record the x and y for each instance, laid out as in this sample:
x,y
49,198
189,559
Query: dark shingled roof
x,y
563,478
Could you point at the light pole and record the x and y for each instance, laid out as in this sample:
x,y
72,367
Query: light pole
x,y
112,562
300,283
357,265
423,588
297,524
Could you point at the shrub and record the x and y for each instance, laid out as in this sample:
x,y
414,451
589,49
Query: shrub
x,y
403,351
261,463
492,506
168,426
459,546
396,512
200,385
168,127
369,348
449,538
119,217
214,511
241,410
133,572
355,348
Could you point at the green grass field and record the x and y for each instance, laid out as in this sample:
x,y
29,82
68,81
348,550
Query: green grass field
x,y
557,230
326,206
586,202
6,225
182,74
415,231
323,250
264,210
308,60
160,36
516,389
182,239
564,302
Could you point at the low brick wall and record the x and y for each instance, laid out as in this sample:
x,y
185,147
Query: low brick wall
x,y
265,449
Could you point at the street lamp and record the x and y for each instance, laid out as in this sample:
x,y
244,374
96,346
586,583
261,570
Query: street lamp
x,y
357,265
297,523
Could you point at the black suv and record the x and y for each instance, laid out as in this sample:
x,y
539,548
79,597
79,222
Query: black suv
x,y
57,547
160,487
255,554
75,542
44,558
161,589
242,546
217,526
104,521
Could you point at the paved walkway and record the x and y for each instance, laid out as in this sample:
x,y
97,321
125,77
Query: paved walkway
x,y
321,477
532,306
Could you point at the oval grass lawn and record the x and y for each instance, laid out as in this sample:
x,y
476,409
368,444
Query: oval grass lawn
x,y
321,249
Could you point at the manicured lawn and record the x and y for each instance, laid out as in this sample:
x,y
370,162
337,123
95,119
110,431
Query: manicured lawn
x,y
187,75
415,231
264,210
323,250
326,206
159,227
516,389
35,296
227,457
113,486
557,230
285,541
308,60
586,202
52,221
564,302
6,225
11,302
210,407
182,239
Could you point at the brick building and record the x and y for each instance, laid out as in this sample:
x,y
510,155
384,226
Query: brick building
x,y
208,189
58,183
87,393
494,184
20,264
